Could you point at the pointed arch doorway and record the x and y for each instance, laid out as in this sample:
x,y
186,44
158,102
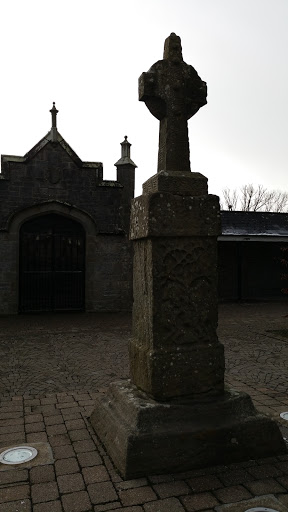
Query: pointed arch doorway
x,y
52,265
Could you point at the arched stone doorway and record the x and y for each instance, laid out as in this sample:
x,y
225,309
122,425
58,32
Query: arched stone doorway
x,y
52,264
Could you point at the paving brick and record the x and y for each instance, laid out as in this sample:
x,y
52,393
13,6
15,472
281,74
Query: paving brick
x,y
70,483
264,471
128,509
71,414
79,435
35,427
59,440
37,437
54,420
33,418
137,496
266,486
114,506
32,401
56,429
41,474
12,421
48,401
95,474
63,452
12,407
16,506
10,415
167,505
85,403
168,489
75,424
131,484
19,492
50,506
89,459
66,466
76,502
47,410
67,405
202,501
236,477
159,479
204,483
84,446
13,476
232,494
82,396
9,429
65,399
13,437
102,492
47,491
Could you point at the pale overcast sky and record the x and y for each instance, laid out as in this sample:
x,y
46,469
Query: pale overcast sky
x,y
87,56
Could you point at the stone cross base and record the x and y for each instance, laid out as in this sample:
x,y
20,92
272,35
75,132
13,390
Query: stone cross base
x,y
145,437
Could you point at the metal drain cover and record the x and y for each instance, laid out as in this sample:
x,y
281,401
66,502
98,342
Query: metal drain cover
x,y
284,415
18,455
261,509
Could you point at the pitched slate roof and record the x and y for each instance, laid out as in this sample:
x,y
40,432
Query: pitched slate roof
x,y
254,223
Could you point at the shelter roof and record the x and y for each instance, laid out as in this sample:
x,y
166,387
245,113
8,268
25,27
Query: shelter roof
x,y
254,223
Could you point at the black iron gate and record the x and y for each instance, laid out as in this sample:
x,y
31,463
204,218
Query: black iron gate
x,y
52,265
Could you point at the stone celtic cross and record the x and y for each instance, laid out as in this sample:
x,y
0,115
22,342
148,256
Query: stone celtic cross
x,y
174,413
173,92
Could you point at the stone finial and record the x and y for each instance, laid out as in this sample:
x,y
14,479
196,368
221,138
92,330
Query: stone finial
x,y
54,113
125,153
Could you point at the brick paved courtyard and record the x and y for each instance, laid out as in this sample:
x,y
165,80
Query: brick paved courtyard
x,y
54,365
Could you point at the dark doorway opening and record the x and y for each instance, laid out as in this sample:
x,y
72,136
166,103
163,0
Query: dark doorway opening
x,y
52,265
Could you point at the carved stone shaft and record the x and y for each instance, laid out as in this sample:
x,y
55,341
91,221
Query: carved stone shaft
x,y
174,351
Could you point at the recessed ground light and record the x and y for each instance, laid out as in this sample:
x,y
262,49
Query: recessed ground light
x,y
261,509
18,455
284,415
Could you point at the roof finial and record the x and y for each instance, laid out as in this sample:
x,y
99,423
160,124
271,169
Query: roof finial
x,y
125,153
125,150
54,113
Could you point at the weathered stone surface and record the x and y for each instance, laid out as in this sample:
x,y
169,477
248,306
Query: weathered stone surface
x,y
173,92
145,437
174,350
170,215
175,182
178,373
176,415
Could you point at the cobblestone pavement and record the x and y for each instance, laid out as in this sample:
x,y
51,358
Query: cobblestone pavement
x,y
53,366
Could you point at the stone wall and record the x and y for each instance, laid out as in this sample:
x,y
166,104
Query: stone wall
x,y
51,178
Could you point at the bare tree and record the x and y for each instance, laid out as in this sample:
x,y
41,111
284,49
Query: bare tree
x,y
251,198
230,198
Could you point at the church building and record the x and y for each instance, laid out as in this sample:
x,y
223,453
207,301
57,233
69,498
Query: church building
x,y
64,231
